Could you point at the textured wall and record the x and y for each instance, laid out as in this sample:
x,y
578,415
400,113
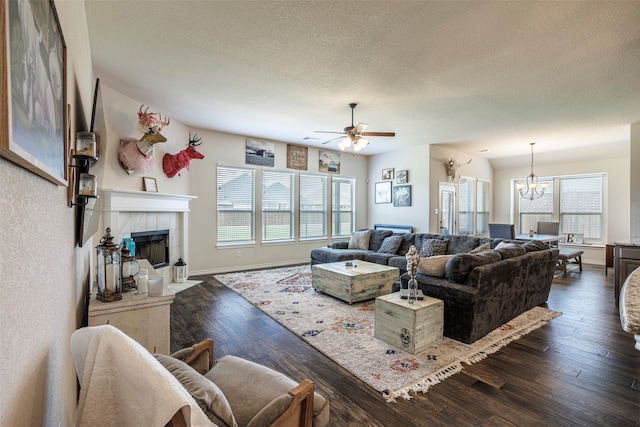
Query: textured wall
x,y
42,272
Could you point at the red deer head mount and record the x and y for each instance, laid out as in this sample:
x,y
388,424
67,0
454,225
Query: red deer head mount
x,y
174,163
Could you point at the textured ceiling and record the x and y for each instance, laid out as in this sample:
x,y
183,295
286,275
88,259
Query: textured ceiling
x,y
472,75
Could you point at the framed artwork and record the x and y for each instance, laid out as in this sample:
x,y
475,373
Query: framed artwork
x,y
297,157
402,177
387,173
402,195
150,184
328,161
383,192
259,152
33,101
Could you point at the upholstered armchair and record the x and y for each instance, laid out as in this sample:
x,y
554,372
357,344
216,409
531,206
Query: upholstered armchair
x,y
122,384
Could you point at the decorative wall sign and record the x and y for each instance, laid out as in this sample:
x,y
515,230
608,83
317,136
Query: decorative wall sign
x,y
402,177
297,157
329,162
150,184
383,192
33,102
259,152
402,195
387,173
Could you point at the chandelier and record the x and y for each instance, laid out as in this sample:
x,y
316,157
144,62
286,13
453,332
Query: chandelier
x,y
531,189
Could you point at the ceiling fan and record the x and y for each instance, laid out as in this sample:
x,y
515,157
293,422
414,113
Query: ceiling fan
x,y
354,134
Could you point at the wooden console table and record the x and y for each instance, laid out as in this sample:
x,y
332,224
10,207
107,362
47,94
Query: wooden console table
x,y
143,318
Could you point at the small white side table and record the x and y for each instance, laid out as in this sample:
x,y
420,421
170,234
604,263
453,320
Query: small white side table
x,y
143,318
411,327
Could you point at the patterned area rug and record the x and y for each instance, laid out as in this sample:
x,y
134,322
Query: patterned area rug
x,y
344,332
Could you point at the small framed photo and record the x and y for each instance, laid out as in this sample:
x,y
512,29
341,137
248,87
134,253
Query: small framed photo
x,y
402,177
387,173
383,192
150,184
402,195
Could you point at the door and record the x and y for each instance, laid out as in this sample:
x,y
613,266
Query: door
x,y
447,209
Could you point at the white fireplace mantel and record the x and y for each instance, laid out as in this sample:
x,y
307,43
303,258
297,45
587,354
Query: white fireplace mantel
x,y
119,207
143,201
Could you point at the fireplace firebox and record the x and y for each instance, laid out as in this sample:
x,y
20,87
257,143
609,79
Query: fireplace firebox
x,y
153,246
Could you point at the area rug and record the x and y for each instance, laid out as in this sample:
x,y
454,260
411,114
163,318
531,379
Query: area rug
x,y
344,332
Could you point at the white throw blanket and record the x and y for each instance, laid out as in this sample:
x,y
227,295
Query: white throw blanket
x,y
122,384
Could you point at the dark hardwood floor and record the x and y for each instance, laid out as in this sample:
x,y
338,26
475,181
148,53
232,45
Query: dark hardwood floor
x,y
579,370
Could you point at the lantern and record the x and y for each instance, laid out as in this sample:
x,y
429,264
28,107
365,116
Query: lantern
x,y
108,271
180,271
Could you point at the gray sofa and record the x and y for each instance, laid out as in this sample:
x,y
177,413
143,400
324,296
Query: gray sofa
x,y
481,291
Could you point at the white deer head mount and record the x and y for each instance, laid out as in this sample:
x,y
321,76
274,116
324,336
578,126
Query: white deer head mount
x,y
452,166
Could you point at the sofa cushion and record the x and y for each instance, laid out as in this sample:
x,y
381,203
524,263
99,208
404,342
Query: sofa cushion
x,y
433,247
459,267
433,266
505,245
377,237
379,257
408,239
461,244
483,247
208,396
390,245
535,245
324,255
510,251
360,240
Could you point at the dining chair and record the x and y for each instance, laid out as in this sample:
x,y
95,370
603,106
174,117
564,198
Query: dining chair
x,y
503,231
551,228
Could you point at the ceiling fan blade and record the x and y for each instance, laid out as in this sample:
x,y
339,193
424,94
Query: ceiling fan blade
x,y
361,127
378,134
333,139
328,131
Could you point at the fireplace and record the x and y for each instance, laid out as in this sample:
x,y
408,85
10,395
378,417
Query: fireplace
x,y
153,246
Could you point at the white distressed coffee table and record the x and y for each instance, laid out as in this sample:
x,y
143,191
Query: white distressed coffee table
x,y
359,282
411,327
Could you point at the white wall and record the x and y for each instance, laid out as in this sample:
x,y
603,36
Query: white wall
x,y
43,274
634,182
416,161
229,150
479,168
613,161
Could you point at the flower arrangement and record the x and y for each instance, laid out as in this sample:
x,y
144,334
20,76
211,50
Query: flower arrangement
x,y
149,123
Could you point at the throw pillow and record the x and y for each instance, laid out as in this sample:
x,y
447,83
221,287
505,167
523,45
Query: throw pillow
x,y
481,248
505,245
360,240
208,396
433,247
433,266
390,245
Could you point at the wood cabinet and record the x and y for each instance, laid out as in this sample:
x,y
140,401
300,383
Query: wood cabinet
x,y
144,318
626,259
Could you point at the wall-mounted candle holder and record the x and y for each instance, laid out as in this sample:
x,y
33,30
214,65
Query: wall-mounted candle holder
x,y
84,155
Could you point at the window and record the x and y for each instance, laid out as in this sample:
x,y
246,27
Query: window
x,y
342,204
466,210
575,201
236,205
313,206
482,208
536,210
277,206
581,207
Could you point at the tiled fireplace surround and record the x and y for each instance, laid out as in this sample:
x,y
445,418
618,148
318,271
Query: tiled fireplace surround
x,y
128,211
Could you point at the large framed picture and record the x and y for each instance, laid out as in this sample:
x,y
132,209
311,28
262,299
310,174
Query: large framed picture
x,y
383,192
402,195
33,101
297,157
